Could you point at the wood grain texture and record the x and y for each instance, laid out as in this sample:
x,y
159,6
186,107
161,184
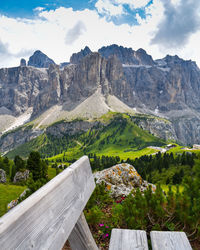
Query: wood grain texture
x,y
46,218
81,237
124,239
169,241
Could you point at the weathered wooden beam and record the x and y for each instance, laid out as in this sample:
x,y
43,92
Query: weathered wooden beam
x,y
81,237
46,218
169,241
124,239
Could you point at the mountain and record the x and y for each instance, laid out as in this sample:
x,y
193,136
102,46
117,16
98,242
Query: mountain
x,y
113,79
40,60
127,55
77,57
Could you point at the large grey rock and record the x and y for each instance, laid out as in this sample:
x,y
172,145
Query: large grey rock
x,y
21,176
121,179
2,176
40,60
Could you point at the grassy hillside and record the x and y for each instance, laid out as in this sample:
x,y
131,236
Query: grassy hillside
x,y
7,194
117,136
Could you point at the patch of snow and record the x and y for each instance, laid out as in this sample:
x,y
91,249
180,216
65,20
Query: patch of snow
x,y
156,110
136,66
20,120
161,62
164,69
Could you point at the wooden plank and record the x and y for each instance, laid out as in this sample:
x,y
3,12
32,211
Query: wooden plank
x,y
81,237
124,239
46,218
169,241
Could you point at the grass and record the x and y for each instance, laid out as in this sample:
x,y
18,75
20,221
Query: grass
x,y
7,194
51,173
131,154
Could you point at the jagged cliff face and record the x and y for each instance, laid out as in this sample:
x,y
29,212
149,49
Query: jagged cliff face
x,y
169,87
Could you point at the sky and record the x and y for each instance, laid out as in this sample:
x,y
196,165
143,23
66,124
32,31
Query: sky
x,y
62,27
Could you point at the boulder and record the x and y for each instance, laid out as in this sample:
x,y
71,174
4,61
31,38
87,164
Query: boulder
x,y
2,176
21,176
121,179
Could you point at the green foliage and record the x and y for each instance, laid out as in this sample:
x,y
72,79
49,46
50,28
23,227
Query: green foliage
x,y
165,168
20,164
34,185
37,167
94,215
100,197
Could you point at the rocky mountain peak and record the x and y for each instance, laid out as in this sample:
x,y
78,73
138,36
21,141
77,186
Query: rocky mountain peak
x,y
77,57
22,62
143,57
40,60
172,59
127,55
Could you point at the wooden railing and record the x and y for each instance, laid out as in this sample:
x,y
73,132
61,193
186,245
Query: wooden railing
x,y
54,213
51,215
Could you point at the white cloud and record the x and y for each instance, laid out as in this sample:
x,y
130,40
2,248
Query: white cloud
x,y
133,4
39,9
116,7
63,31
109,8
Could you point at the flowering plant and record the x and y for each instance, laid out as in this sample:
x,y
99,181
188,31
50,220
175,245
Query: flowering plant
x,y
120,200
104,230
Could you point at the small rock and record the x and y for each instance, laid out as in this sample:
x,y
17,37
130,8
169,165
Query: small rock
x,y
12,204
2,176
21,176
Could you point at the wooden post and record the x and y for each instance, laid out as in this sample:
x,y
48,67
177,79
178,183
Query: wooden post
x,y
81,237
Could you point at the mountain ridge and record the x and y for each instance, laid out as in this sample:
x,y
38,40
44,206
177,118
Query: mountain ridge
x,y
167,88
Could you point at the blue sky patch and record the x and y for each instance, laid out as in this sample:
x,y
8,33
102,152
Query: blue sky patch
x,y
25,9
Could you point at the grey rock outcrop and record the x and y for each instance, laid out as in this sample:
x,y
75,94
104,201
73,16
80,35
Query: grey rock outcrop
x,y
77,57
2,176
15,138
70,128
21,176
122,179
40,60
23,62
